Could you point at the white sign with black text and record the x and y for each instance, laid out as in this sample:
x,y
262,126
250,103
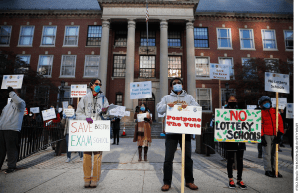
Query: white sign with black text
x,y
219,71
14,81
290,111
48,114
139,90
277,82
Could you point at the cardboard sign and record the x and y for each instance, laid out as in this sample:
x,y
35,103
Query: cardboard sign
x,y
14,81
65,104
282,102
251,107
237,125
139,90
219,71
188,120
78,90
141,116
117,111
290,111
89,137
35,109
277,82
69,112
48,114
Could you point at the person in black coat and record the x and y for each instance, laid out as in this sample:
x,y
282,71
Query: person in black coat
x,y
116,129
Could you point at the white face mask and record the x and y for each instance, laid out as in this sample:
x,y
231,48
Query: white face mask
x,y
30,114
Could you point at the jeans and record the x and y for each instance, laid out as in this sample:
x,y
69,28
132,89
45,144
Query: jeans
x,y
80,153
9,144
230,160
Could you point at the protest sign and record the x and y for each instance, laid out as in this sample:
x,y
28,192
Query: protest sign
x,y
26,111
277,82
251,107
141,116
219,71
48,114
187,121
237,125
117,111
14,81
35,109
282,102
69,112
65,104
127,113
89,137
60,110
78,90
161,115
139,90
290,111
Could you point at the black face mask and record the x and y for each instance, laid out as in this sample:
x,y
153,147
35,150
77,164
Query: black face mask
x,y
232,104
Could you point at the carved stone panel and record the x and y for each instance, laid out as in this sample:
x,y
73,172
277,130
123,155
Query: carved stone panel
x,y
151,50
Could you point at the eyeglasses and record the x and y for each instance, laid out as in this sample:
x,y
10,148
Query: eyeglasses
x,y
176,83
97,84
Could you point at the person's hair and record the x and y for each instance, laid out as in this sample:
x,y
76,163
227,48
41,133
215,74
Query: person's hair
x,y
71,105
231,95
93,81
176,78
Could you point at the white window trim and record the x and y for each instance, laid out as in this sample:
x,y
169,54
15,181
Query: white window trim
x,y
20,36
285,40
233,77
262,40
18,55
224,48
211,107
77,36
42,45
199,77
7,45
86,56
46,76
240,35
67,76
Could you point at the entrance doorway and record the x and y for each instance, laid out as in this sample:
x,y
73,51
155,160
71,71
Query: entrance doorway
x,y
150,102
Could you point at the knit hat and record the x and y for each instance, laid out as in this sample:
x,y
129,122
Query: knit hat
x,y
264,98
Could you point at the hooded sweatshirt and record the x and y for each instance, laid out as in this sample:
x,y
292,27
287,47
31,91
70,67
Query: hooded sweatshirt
x,y
12,114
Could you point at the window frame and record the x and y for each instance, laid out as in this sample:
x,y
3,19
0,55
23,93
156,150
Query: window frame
x,y
232,77
118,68
87,36
284,35
230,34
85,67
262,37
202,77
51,59
115,38
180,41
147,68
141,44
21,45
66,45
277,59
117,102
19,55
198,98
201,39
6,45
61,66
48,45
253,42
175,56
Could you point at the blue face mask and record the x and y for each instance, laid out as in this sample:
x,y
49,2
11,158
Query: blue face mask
x,y
177,87
142,108
97,89
267,105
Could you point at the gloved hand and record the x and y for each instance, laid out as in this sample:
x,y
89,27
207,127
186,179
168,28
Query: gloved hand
x,y
277,139
89,120
9,89
263,141
146,119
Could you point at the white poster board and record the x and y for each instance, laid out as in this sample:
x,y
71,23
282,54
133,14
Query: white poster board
x,y
69,112
251,107
161,115
127,113
118,111
48,114
78,90
139,90
60,110
282,102
65,104
219,71
290,111
188,120
141,116
277,82
89,137
14,81
35,109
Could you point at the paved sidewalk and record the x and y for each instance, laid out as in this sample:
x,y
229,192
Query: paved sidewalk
x,y
121,172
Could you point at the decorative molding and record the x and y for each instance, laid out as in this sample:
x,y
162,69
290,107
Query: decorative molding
x,y
50,23
119,53
46,52
27,23
23,52
131,24
248,55
189,25
151,50
175,54
69,52
95,23
54,13
163,24
105,24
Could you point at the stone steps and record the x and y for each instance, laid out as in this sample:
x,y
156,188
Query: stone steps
x,y
156,129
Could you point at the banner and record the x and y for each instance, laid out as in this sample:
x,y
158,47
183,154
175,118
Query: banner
x,y
69,112
290,111
219,71
237,125
78,90
277,82
118,111
35,109
282,102
48,114
139,90
89,137
251,107
188,120
14,81
65,104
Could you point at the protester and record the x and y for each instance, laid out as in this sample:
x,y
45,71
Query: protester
x,y
259,146
142,132
116,129
268,134
180,97
49,126
90,107
10,127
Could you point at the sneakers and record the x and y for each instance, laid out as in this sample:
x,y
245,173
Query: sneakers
x,y
231,184
68,160
9,171
241,185
81,159
87,184
93,184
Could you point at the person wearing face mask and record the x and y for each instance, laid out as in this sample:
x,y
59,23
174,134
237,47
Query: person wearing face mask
x,y
178,96
268,134
90,108
142,132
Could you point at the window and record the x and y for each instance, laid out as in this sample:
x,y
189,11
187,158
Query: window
x,y
202,67
5,34
66,95
26,35
151,38
174,39
119,66
91,65
49,35
45,65
41,96
201,37
23,61
121,38
246,39
119,99
68,65
289,39
269,39
224,38
225,92
272,65
94,35
71,36
250,71
147,66
174,66
204,98
229,62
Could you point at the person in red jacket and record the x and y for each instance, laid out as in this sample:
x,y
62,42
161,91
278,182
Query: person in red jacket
x,y
268,134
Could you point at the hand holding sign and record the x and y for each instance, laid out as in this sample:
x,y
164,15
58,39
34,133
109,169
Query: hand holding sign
x,y
89,120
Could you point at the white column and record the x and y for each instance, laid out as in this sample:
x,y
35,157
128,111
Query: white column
x,y
190,50
129,75
102,73
163,77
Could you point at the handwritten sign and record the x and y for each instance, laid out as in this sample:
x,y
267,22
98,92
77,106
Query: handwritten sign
x,y
141,116
282,102
127,113
251,107
48,114
237,125
140,90
78,90
188,120
69,112
35,109
89,137
14,81
277,82
290,111
118,111
65,104
219,71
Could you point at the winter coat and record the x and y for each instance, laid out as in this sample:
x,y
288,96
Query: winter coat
x,y
146,135
268,122
116,123
52,122
12,114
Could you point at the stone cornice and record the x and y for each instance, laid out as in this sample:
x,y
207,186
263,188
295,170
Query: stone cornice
x,y
50,12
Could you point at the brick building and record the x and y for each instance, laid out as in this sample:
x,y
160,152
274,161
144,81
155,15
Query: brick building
x,y
75,42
